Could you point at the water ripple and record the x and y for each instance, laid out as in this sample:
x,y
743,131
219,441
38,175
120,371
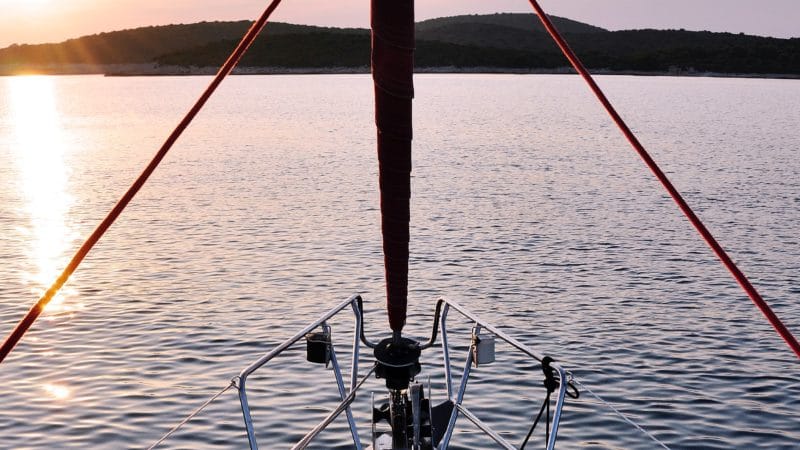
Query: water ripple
x,y
527,207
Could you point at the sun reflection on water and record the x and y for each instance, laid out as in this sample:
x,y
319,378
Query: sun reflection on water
x,y
39,153
57,391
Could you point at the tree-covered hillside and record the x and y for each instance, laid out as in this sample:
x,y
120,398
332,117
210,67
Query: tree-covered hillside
x,y
142,45
499,41
525,22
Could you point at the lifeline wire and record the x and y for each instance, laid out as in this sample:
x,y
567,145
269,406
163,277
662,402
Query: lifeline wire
x,y
740,277
192,415
623,416
27,321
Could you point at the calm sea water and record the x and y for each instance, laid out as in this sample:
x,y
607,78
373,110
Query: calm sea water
x,y
528,207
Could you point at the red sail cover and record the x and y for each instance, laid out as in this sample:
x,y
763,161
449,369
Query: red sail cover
x,y
392,72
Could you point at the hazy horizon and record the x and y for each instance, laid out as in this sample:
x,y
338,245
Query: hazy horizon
x,y
44,21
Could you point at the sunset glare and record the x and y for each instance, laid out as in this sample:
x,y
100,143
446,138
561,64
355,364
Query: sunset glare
x,y
56,391
39,145
24,6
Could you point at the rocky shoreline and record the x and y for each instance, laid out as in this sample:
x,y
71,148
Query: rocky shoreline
x,y
121,70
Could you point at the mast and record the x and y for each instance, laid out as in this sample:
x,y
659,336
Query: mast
x,y
392,73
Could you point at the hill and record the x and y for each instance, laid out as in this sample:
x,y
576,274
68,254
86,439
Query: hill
x,y
470,42
142,45
524,22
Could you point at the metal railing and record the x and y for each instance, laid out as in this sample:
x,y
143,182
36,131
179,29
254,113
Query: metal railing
x,y
444,306
347,398
348,395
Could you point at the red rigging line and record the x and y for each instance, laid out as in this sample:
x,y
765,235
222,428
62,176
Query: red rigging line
x,y
740,277
392,72
24,325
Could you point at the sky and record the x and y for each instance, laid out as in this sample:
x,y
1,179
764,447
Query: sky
x,y
36,21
